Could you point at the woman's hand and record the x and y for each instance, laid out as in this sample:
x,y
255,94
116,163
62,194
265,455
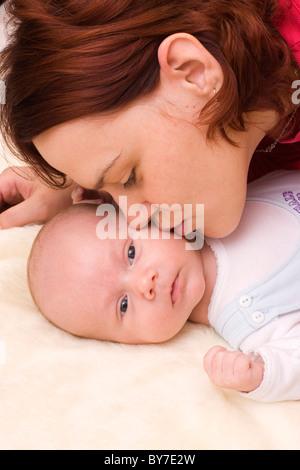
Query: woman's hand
x,y
233,370
25,199
84,196
81,195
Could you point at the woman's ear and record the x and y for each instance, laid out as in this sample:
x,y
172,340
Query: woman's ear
x,y
187,68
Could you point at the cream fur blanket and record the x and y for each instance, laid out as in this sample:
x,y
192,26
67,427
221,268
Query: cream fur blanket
x,y
61,392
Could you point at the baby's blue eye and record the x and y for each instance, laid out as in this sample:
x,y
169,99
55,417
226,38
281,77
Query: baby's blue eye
x,y
124,306
131,253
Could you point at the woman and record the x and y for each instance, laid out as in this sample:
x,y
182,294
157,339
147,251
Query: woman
x,y
159,101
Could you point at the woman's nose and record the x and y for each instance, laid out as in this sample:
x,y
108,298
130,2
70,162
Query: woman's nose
x,y
147,283
138,214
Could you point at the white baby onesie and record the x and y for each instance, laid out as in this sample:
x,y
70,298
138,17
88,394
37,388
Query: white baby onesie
x,y
256,301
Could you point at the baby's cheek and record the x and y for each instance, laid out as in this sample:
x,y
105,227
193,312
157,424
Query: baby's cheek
x,y
159,327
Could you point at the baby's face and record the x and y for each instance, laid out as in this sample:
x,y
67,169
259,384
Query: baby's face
x,y
123,290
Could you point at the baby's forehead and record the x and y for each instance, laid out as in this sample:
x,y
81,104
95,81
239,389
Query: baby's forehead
x,y
80,219
82,226
62,231
83,230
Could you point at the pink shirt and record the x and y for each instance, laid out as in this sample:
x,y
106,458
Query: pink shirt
x,y
283,156
289,28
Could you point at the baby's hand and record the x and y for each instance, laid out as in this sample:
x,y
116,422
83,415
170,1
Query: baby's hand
x,y
233,369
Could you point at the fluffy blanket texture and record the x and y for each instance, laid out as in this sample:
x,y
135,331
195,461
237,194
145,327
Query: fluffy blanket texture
x,y
61,392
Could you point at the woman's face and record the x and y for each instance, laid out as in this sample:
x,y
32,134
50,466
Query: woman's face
x,y
153,154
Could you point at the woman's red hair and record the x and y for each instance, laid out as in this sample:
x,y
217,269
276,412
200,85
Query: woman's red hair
x,y
74,58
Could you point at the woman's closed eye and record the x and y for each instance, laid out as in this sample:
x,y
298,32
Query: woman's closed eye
x,y
131,181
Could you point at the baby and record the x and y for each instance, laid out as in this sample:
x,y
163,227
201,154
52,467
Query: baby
x,y
143,289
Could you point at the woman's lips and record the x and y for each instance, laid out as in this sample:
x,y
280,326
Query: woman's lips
x,y
176,289
185,228
180,227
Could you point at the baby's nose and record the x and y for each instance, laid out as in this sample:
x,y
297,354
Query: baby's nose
x,y
147,284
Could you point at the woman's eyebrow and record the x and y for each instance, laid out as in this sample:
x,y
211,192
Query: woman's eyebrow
x,y
100,182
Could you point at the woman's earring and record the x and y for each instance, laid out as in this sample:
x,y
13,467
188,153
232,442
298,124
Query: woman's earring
x,y
215,92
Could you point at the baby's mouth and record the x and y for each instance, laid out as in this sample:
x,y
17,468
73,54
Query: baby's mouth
x,y
176,289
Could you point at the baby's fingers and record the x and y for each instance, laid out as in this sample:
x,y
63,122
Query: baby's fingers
x,y
241,365
232,369
213,360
